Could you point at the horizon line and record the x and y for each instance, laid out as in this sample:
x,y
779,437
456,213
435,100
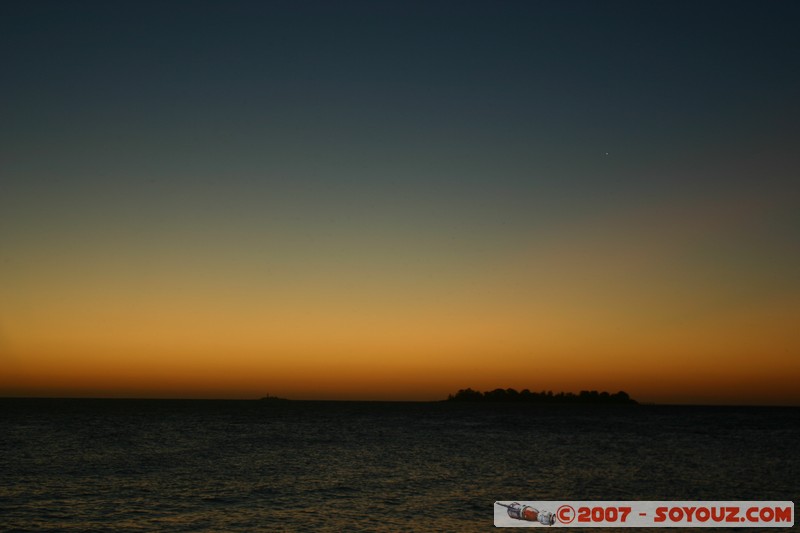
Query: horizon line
x,y
270,398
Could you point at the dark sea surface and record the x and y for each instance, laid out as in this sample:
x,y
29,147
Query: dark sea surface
x,y
344,466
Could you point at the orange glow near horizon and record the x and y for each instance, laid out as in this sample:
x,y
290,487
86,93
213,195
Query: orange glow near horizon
x,y
358,342
662,380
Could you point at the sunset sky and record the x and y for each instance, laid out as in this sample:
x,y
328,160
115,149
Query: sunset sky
x,y
396,200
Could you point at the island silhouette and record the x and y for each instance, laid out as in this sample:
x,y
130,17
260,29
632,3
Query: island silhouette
x,y
524,396
512,395
270,398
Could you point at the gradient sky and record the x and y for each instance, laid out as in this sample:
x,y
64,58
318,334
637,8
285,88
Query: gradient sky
x,y
395,200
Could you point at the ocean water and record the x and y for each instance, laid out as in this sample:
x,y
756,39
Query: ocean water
x,y
348,466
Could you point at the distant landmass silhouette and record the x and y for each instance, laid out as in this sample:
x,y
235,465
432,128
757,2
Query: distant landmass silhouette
x,y
511,395
273,399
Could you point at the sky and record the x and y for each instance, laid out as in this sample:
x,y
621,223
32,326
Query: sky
x,y
397,200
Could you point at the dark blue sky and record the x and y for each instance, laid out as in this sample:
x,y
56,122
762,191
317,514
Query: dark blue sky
x,y
523,83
